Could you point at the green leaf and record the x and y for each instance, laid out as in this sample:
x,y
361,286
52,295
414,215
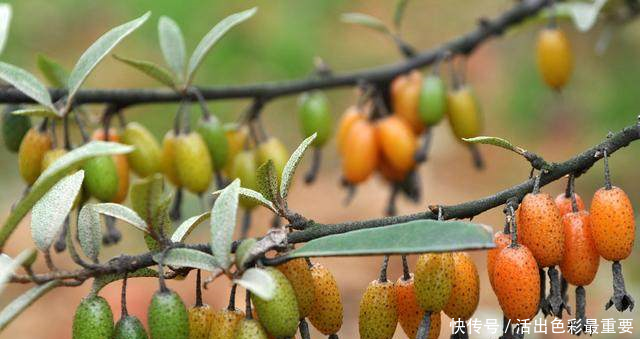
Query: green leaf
x,y
259,282
8,266
18,305
212,37
420,236
37,112
584,15
123,213
26,83
268,181
292,164
152,205
103,280
188,226
366,21
495,141
5,19
49,213
223,223
150,69
172,45
256,197
58,170
401,5
57,75
186,257
89,232
98,50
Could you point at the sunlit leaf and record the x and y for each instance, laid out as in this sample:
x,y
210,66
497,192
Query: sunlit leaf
x,y
5,20
188,226
268,181
172,45
26,83
495,141
223,223
8,265
21,303
90,231
36,112
186,257
150,69
365,20
584,15
56,75
259,282
123,213
103,280
254,196
292,165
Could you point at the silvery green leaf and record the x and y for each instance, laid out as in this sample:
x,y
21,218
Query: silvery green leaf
x,y
123,213
584,15
5,19
223,223
57,75
213,36
365,20
90,231
254,196
103,280
259,282
188,226
172,45
49,213
37,112
268,181
8,266
150,69
186,257
26,83
495,141
98,50
18,305
292,164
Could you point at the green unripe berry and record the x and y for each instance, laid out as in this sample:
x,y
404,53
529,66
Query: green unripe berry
x,y
432,104
14,128
167,316
244,168
213,134
434,280
280,315
193,163
250,329
129,327
200,318
93,319
101,177
315,117
145,158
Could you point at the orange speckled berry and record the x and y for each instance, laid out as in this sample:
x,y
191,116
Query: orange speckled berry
x,y
564,203
224,323
378,316
409,312
349,117
397,143
327,311
360,156
299,275
501,240
32,149
405,96
581,258
517,283
200,318
612,223
465,293
434,280
540,224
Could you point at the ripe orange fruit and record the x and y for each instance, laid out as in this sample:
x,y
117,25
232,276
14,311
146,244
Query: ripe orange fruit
x,y
167,159
464,113
434,280
349,117
299,275
555,60
360,152
581,258
501,240
612,223
200,318
224,323
409,312
465,293
327,311
564,203
122,165
31,152
390,173
405,97
517,283
541,228
397,142
378,316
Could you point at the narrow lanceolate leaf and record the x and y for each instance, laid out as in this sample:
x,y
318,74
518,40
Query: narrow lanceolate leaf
x,y
49,213
90,231
150,69
58,170
56,75
186,257
420,236
584,15
401,5
495,141
37,112
292,164
103,280
259,282
172,45
98,50
8,266
268,181
26,83
123,213
255,196
212,37
365,20
21,303
149,200
188,226
223,223
5,19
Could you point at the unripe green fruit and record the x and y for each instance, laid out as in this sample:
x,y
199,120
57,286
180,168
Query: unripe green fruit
x,y
432,104
200,318
250,329
315,117
167,159
244,168
129,327
273,149
279,316
212,132
14,128
243,251
167,316
434,280
145,158
93,319
378,311
193,162
465,117
101,177
299,275
32,149
224,323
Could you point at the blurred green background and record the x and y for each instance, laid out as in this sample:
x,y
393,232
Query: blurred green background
x,y
279,43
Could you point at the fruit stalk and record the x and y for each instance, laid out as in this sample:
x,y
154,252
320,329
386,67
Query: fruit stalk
x,y
620,299
425,324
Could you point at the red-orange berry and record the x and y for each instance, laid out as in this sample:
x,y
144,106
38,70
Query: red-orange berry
x,y
612,223
517,283
564,203
378,316
465,293
581,258
410,314
360,152
327,311
501,240
540,224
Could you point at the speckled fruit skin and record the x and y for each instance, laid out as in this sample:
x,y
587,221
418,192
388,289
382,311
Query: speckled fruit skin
x,y
14,128
167,158
555,60
540,224
224,323
279,316
122,165
250,329
501,240
409,312
51,156
315,117
361,152
200,318
464,113
465,293
193,163
244,168
299,275
327,310
32,149
397,143
405,94
612,223
350,116
145,158
101,178
432,104
93,319
212,132
517,283
167,316
378,316
129,327
434,280
564,203
581,258
273,149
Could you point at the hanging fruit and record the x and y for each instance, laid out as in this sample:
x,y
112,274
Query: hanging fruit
x,y
213,134
145,158
464,113
397,143
405,95
555,59
314,113
192,162
360,152
433,100
32,150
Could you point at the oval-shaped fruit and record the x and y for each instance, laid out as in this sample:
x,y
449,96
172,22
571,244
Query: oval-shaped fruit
x,y
432,104
612,223
350,116
244,168
167,158
360,157
299,275
555,60
250,329
397,143
93,319
101,178
390,173
564,203
145,158
409,312
464,113
122,165
434,280
32,149
517,283
273,149
224,323
200,320
540,224
212,132
237,140
51,156
327,310
315,117
193,163
405,94
167,316
378,316
465,293
581,258
14,128
279,316
129,327
501,240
